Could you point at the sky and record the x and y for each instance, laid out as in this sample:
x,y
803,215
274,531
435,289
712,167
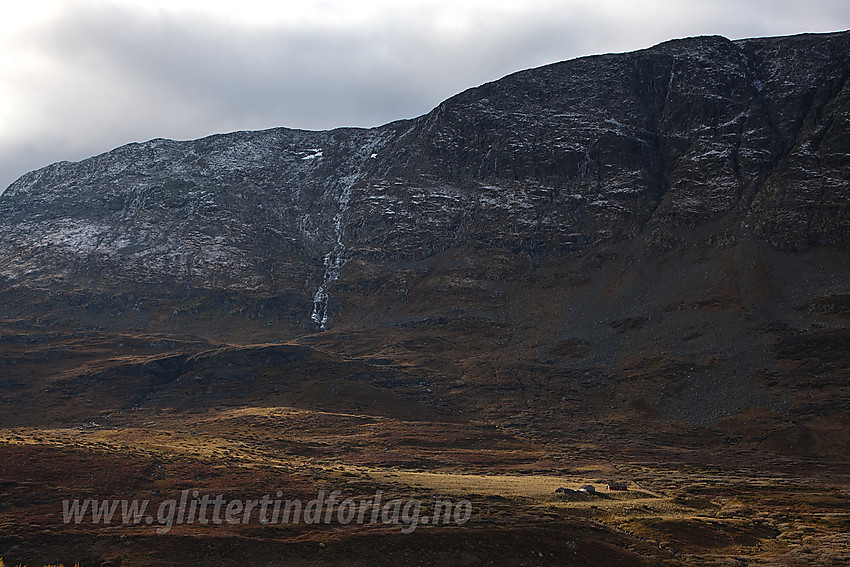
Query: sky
x,y
80,77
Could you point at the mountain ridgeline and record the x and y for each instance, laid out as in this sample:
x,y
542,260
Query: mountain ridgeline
x,y
657,235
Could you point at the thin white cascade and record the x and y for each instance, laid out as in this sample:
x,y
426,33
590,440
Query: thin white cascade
x,y
334,260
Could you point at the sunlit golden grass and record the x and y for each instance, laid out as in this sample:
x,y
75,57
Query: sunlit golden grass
x,y
690,509
508,486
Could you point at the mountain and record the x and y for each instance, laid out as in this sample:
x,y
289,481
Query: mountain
x,y
651,244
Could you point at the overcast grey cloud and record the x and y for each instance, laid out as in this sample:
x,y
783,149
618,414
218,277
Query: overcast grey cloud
x,y
81,77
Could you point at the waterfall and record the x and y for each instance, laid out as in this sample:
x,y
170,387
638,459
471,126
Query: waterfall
x,y
334,260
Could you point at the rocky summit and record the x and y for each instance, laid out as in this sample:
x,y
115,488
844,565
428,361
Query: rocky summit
x,y
658,237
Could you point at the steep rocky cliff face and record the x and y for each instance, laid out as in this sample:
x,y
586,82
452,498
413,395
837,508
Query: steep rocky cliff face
x,y
619,238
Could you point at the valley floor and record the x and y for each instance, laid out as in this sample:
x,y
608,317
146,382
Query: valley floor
x,y
679,510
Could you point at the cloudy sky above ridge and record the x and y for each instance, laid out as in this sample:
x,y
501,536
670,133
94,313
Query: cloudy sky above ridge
x,y
79,77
